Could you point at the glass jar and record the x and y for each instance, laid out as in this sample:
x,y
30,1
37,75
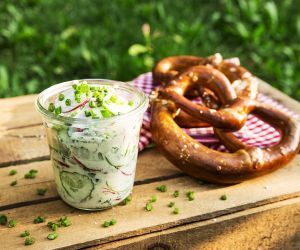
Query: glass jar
x,y
94,160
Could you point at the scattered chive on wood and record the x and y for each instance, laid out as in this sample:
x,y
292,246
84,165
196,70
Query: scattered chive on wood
x,y
223,197
171,204
153,198
14,183
25,233
65,221
162,188
12,172
31,174
176,210
149,207
39,219
109,223
190,195
29,241
127,200
53,226
52,236
176,193
3,219
41,191
113,222
12,223
106,224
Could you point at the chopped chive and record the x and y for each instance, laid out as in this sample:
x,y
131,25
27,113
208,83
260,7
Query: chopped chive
x,y
127,200
176,210
12,223
92,88
68,102
3,219
130,103
162,188
74,86
113,99
31,174
92,104
12,172
39,219
14,183
52,236
65,221
106,224
88,113
153,198
25,233
176,193
29,241
149,207
57,110
41,191
51,107
113,222
61,97
171,204
106,113
190,195
223,197
53,226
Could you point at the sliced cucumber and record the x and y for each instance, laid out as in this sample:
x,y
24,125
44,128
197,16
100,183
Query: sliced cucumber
x,y
77,186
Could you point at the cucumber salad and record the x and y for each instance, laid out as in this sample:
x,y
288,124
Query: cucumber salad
x,y
94,158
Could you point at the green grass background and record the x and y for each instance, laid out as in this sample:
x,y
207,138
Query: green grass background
x,y
43,42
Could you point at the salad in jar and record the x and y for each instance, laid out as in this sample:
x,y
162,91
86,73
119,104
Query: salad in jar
x,y
93,129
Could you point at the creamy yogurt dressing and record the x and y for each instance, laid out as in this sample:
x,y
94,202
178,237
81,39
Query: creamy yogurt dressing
x,y
94,166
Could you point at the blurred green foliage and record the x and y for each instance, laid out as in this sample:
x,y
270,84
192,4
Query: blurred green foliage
x,y
43,42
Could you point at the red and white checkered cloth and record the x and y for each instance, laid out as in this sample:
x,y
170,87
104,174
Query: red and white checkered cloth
x,y
255,132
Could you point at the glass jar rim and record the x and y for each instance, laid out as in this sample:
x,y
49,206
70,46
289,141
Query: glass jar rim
x,y
141,107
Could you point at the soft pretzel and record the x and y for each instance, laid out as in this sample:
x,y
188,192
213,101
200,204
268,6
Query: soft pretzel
x,y
207,164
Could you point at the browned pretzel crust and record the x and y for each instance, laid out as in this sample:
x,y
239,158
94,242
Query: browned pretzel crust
x,y
207,164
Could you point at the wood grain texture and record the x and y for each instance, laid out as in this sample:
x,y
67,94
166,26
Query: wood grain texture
x,y
18,112
133,220
274,226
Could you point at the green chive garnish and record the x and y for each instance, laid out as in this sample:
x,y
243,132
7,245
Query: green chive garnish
x,y
12,223
127,200
41,191
130,103
171,204
68,102
176,193
29,241
190,195
92,104
53,226
25,233
57,110
162,188
3,219
52,236
149,207
13,183
31,174
176,210
88,113
223,197
51,107
12,172
61,97
39,219
153,199
65,221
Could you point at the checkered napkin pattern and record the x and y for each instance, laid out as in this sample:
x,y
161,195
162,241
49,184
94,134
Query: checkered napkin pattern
x,y
254,133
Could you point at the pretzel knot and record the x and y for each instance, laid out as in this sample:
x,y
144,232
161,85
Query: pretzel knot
x,y
232,92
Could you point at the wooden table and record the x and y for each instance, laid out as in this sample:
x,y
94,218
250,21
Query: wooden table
x,y
259,214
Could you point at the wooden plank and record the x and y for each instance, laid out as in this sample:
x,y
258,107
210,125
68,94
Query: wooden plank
x,y
272,226
151,167
18,112
23,145
133,220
